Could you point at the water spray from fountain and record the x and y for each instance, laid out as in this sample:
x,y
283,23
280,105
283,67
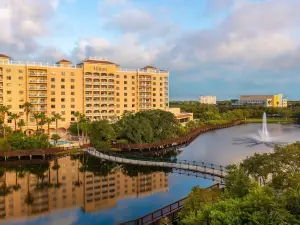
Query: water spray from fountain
x,y
263,133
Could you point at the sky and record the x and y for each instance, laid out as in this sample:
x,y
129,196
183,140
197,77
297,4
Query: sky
x,y
211,47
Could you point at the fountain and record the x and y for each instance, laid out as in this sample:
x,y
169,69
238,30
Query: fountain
x,y
263,133
263,137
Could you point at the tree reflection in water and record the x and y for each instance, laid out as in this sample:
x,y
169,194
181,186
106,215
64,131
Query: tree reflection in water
x,y
251,142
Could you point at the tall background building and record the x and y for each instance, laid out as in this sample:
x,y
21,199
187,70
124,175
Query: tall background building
x,y
212,100
96,87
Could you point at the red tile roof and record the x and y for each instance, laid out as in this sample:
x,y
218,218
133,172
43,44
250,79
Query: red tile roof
x,y
98,61
150,67
4,56
183,115
63,60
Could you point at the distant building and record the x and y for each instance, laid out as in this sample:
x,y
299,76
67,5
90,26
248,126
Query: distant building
x,y
276,101
212,100
182,117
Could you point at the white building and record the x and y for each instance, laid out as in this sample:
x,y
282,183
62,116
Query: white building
x,y
212,100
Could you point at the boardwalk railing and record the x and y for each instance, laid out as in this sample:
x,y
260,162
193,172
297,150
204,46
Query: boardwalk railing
x,y
210,169
175,141
172,209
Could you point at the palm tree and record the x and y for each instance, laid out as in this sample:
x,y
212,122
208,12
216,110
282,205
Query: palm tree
x,y
55,138
27,109
3,112
14,117
42,118
21,124
49,120
56,117
36,117
78,115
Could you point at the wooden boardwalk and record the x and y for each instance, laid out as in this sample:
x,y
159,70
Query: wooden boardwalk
x,y
213,171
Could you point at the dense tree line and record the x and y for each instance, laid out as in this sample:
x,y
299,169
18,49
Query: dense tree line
x,y
263,189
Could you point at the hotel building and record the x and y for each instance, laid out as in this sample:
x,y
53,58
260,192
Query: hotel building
x,y
96,87
211,100
276,101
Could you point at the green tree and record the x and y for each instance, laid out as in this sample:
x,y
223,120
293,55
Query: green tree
x,y
56,118
42,118
27,109
21,124
48,120
36,116
14,117
55,138
101,133
78,116
3,112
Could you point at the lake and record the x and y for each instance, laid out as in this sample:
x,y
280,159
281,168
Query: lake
x,y
85,190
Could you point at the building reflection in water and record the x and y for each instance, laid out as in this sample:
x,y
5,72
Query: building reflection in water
x,y
71,182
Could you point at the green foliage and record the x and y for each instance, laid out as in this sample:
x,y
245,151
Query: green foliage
x,y
20,141
4,145
147,126
101,133
245,202
55,138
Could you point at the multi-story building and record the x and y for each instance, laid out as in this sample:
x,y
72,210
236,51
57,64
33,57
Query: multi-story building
x,y
96,87
212,100
262,100
67,187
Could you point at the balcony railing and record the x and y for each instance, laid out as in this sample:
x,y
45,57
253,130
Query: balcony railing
x,y
38,81
145,96
37,74
35,95
37,88
39,109
38,102
145,79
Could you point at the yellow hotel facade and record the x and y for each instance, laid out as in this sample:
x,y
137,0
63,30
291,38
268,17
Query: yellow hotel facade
x,y
96,87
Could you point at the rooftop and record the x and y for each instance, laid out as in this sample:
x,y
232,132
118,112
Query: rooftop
x,y
4,56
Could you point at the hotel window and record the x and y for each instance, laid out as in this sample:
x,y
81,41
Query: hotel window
x,y
72,106
118,100
154,83
118,82
20,71
125,76
118,106
63,73
154,94
62,100
72,93
160,78
125,99
62,86
160,84
125,94
154,105
132,105
132,77
72,74
52,92
52,106
8,121
63,113
63,119
125,88
63,106
52,86
21,92
72,119
133,100
154,89
72,99
8,92
72,87
161,105
8,77
117,88
125,82
133,94
52,79
62,80
20,85
118,94
52,99
63,93
20,78
125,105
154,78
72,80
8,70
117,76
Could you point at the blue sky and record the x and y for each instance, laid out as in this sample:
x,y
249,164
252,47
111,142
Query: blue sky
x,y
211,47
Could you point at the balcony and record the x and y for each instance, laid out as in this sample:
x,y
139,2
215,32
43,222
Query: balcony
x,y
88,95
145,90
38,102
37,88
37,74
37,96
145,79
108,83
145,96
38,81
39,109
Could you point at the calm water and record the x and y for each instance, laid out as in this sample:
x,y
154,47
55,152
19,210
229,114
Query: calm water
x,y
84,190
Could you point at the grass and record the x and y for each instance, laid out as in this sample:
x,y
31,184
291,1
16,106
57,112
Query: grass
x,y
271,120
70,151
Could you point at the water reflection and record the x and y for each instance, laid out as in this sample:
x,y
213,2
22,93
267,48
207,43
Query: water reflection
x,y
73,181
